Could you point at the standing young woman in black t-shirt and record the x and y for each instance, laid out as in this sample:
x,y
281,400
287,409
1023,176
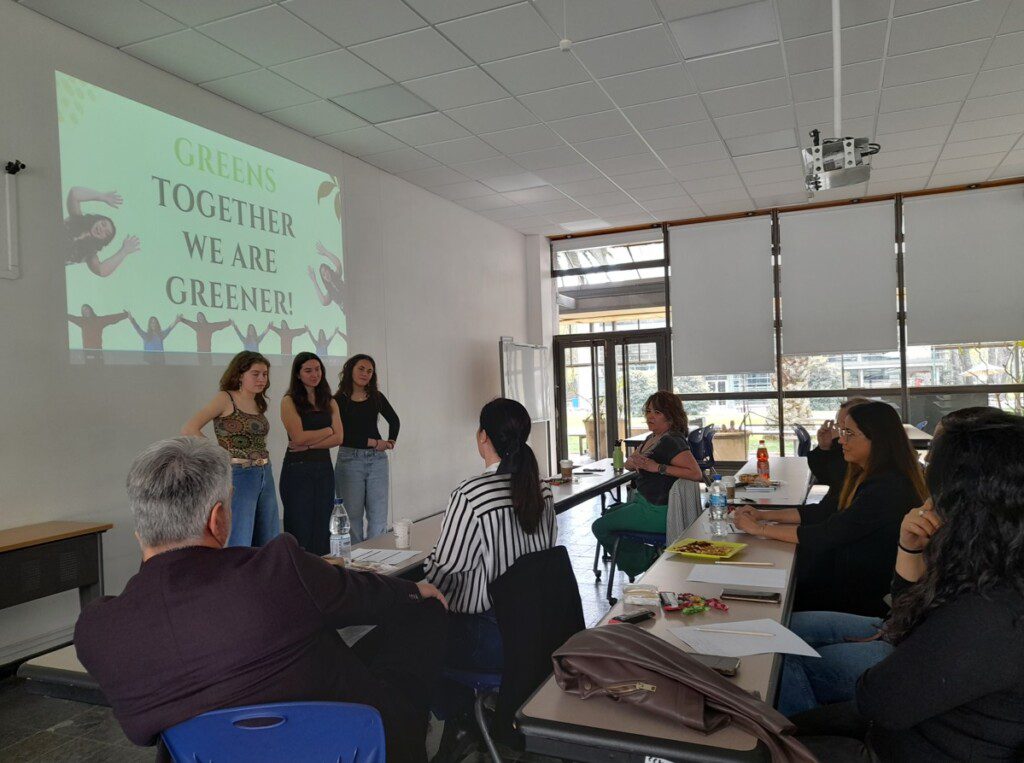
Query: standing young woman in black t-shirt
x,y
313,424
361,474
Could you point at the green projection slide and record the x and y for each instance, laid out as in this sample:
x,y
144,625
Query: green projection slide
x,y
182,240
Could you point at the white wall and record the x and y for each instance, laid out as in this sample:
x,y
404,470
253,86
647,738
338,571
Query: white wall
x,y
432,287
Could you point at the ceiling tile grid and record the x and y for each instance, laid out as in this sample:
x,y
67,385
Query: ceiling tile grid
x,y
661,108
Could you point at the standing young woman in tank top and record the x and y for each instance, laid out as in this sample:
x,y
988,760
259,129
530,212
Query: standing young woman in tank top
x,y
313,424
361,474
241,428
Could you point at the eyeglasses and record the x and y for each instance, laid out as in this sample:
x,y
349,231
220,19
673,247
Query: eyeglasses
x,y
848,433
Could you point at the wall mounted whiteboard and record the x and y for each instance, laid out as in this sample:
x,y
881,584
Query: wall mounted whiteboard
x,y
526,376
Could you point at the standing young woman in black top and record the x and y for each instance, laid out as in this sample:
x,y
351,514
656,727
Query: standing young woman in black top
x,y
313,423
361,474
847,555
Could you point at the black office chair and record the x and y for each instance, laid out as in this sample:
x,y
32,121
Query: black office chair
x,y
707,441
696,442
803,440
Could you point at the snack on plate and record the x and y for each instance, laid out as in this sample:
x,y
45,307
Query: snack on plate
x,y
705,547
755,480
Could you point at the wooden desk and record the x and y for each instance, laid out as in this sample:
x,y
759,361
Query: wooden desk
x,y
562,725
51,557
587,486
791,471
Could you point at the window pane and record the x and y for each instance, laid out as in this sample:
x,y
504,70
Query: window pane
x,y
611,301
927,409
739,424
699,385
602,256
967,364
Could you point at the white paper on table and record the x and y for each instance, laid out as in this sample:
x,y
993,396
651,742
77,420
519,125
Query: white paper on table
x,y
782,640
359,553
755,577
398,557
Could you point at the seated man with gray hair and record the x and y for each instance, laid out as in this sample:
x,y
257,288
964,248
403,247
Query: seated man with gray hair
x,y
202,627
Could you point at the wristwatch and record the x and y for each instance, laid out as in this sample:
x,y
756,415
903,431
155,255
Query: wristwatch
x,y
662,468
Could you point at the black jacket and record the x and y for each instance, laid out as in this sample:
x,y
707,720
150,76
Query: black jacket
x,y
828,468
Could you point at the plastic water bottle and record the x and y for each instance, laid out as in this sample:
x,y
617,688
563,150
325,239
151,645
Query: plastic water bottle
x,y
341,534
718,504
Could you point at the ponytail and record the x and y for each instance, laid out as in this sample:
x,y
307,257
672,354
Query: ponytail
x,y
507,425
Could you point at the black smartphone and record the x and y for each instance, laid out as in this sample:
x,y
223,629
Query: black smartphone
x,y
727,666
634,617
760,597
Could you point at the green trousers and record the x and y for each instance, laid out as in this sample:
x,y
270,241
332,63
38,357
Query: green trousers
x,y
638,515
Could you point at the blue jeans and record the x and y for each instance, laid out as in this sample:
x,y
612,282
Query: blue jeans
x,y
361,481
474,642
811,681
254,515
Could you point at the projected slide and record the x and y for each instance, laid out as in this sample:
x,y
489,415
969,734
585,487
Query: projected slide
x,y
181,242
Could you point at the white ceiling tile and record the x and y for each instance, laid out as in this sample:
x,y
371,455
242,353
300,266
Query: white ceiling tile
x,y
546,158
739,68
502,33
755,144
459,151
196,12
756,122
538,225
649,85
999,144
115,22
918,94
595,18
496,115
400,160
721,183
439,175
681,135
622,165
535,195
945,26
997,81
1013,21
382,104
939,63
900,141
436,11
607,199
616,210
268,35
479,203
919,155
423,129
260,90
452,90
699,153
1004,171
465,190
800,18
673,209
568,101
769,160
671,111
317,118
355,21
959,178
902,172
588,187
568,173
641,218
856,79
726,30
362,141
736,100
716,197
781,188
856,105
520,139
896,186
987,128
916,119
496,166
702,170
627,52
517,182
644,179
537,71
610,148
861,127
554,207
781,200
992,106
906,7
606,124
411,55
191,56
777,175
862,43
965,163
331,74
582,226
679,9
502,214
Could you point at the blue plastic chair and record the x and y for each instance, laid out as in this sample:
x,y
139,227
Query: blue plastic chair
x,y
921,424
803,440
658,541
334,732
709,446
696,442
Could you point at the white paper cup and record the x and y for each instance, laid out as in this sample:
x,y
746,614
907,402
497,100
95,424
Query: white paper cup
x,y
565,467
403,528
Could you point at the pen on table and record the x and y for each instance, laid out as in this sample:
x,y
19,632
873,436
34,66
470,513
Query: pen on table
x,y
737,633
748,564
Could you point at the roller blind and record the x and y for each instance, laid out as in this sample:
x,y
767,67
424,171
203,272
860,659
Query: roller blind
x,y
965,266
721,290
839,280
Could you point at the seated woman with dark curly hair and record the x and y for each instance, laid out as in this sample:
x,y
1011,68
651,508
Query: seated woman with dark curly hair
x,y
663,458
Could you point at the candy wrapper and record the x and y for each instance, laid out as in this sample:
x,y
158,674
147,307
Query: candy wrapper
x,y
692,604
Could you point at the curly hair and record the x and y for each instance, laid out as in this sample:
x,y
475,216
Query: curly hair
x,y
345,382
670,406
85,246
231,380
976,478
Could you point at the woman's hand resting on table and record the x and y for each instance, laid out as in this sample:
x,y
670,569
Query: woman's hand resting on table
x,y
747,519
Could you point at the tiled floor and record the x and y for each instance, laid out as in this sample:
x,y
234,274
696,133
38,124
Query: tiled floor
x,y
46,730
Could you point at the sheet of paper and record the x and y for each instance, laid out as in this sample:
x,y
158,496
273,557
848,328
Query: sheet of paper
x,y
359,553
398,557
755,577
782,640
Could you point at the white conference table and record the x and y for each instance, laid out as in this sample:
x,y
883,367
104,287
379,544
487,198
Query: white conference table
x,y
918,437
586,486
792,471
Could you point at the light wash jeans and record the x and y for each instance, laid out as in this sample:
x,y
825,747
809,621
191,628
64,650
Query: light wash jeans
x,y
811,681
255,519
361,481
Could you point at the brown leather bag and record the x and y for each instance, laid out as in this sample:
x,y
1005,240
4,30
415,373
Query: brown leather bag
x,y
628,664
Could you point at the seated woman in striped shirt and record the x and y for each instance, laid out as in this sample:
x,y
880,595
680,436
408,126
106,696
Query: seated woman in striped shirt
x,y
491,521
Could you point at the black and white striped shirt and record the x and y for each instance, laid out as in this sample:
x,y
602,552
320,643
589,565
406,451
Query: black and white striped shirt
x,y
481,538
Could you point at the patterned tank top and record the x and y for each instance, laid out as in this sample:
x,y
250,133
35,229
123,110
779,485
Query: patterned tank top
x,y
243,435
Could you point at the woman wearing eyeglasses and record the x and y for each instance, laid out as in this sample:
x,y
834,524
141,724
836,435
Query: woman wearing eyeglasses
x,y
847,553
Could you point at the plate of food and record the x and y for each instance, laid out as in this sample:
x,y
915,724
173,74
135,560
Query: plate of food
x,y
706,549
755,480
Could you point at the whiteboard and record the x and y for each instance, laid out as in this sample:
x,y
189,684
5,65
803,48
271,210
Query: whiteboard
x,y
526,376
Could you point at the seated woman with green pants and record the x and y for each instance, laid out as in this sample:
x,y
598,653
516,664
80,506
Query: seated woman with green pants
x,y
663,458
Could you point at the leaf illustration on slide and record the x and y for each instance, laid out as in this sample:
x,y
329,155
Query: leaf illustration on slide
x,y
325,190
337,206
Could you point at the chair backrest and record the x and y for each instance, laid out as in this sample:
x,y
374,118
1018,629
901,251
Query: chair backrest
x,y
921,424
684,506
338,732
709,446
696,442
537,605
803,440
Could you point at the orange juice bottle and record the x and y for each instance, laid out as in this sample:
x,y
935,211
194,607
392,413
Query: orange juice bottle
x,y
762,460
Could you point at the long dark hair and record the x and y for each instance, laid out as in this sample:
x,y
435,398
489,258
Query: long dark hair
x,y
976,478
297,390
507,425
231,380
345,382
670,406
82,246
890,450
